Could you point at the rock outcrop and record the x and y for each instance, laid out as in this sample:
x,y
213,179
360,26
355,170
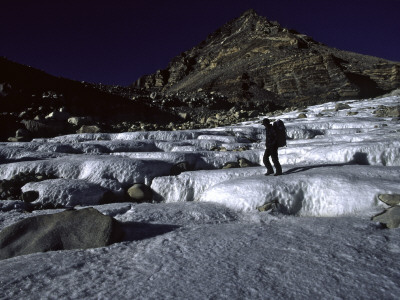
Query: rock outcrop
x,y
251,58
71,229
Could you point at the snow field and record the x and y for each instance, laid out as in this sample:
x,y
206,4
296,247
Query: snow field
x,y
326,139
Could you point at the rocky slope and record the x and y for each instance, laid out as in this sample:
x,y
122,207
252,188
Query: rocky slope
x,y
251,58
36,104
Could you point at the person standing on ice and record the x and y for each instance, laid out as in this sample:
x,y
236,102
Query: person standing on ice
x,y
271,140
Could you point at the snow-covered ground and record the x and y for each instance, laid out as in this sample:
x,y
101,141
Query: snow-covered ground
x,y
203,236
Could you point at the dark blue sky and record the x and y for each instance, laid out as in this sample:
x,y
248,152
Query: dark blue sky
x,y
115,41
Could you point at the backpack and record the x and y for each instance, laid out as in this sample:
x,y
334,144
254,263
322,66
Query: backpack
x,y
280,130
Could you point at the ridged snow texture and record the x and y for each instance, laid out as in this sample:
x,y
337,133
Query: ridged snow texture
x,y
334,164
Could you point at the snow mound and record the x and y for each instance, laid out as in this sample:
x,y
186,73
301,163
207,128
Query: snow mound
x,y
66,193
375,153
327,191
13,153
189,186
108,171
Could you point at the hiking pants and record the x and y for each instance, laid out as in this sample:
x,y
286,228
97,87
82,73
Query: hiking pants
x,y
273,152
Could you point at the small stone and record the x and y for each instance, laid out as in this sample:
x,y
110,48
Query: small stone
x,y
184,116
394,112
302,116
212,119
58,115
390,217
140,192
89,129
79,121
265,207
220,117
390,199
341,106
22,114
352,113
244,163
231,165
17,139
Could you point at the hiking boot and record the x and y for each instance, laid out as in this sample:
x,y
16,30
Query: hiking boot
x,y
269,173
278,174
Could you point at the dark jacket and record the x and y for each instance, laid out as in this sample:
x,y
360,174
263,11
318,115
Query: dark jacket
x,y
270,136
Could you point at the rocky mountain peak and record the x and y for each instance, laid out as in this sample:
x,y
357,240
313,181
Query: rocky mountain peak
x,y
251,58
253,21
249,24
250,13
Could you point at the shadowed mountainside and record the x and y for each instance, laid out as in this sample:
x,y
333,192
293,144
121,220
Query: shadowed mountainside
x,y
30,95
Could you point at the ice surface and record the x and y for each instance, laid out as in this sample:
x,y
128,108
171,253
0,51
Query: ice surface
x,y
203,237
203,250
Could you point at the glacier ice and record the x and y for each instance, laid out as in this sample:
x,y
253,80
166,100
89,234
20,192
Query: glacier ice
x,y
329,149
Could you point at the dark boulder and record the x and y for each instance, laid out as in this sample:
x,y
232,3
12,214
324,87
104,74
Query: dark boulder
x,y
71,229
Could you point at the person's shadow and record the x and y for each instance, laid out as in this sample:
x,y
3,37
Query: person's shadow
x,y
359,158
